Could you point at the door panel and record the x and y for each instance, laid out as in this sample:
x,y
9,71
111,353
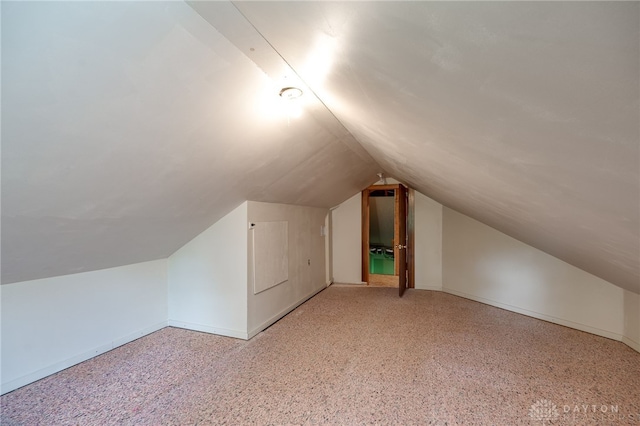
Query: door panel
x,y
365,235
401,214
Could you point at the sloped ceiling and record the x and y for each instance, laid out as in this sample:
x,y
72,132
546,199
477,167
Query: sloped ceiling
x,y
128,128
523,115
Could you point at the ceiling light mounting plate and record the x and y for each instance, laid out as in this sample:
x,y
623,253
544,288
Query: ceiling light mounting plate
x,y
290,93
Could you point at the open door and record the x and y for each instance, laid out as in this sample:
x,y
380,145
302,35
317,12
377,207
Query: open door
x,y
386,253
401,209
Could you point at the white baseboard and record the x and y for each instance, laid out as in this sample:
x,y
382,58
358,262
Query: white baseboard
x,y
238,334
361,283
549,318
283,312
631,343
59,366
429,287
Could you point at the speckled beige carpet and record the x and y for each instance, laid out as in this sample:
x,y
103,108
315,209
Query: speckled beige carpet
x,y
351,356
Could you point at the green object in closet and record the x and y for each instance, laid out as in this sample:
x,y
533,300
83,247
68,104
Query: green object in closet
x,y
381,264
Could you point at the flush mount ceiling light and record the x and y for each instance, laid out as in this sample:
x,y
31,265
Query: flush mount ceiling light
x,y
290,93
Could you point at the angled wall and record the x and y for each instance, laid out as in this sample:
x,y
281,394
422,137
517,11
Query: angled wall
x,y
53,323
208,280
483,264
346,241
631,333
428,243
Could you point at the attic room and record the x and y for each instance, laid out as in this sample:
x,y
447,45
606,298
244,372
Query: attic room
x,y
186,186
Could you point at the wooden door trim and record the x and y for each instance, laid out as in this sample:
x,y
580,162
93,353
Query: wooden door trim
x,y
411,233
382,187
365,235
410,252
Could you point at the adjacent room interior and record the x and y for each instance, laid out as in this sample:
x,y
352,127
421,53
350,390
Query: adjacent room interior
x,y
320,212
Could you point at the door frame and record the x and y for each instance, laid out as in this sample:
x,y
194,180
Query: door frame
x,y
410,221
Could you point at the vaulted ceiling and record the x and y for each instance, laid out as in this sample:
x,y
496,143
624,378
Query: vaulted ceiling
x,y
130,127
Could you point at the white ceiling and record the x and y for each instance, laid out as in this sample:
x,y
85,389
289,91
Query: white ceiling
x,y
523,115
129,127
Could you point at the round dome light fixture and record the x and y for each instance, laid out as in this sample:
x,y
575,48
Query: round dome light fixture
x,y
290,93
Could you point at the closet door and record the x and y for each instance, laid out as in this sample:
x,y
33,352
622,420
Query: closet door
x,y
401,214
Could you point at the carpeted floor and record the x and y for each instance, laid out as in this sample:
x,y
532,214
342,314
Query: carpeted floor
x,y
351,356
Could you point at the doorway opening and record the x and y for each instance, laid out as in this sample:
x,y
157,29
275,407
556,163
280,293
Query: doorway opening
x,y
387,236
383,268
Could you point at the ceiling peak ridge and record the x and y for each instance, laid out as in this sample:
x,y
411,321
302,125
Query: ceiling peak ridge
x,y
234,25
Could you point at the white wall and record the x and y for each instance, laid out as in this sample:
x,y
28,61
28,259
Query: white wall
x,y
631,334
53,323
346,242
208,280
428,243
382,220
307,269
484,264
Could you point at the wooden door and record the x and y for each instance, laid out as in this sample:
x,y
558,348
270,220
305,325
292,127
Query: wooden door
x,y
401,214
